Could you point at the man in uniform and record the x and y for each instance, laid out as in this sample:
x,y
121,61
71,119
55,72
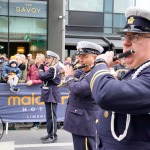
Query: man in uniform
x,y
81,113
50,94
125,119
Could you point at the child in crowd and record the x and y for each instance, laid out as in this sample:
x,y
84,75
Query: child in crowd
x,y
11,73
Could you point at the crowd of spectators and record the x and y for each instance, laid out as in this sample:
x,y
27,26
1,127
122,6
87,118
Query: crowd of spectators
x,y
21,69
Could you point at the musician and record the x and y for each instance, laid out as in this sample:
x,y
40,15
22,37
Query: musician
x,y
50,95
81,113
125,119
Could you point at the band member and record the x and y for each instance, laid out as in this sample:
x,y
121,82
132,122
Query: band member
x,y
50,94
125,119
81,113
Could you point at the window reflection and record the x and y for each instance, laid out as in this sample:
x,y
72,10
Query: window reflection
x,y
121,5
86,5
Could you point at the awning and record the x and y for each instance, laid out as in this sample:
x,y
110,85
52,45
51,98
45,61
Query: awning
x,y
74,41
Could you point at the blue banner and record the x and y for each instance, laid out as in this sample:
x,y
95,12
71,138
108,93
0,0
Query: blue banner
x,y
25,105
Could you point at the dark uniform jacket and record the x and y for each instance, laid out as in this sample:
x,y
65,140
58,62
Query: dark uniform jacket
x,y
51,78
82,111
130,96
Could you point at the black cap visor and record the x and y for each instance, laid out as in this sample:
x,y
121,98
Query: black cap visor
x,y
136,24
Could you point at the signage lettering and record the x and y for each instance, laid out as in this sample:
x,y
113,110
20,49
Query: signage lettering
x,y
28,100
27,10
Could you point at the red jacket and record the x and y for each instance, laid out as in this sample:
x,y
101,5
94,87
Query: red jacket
x,y
33,74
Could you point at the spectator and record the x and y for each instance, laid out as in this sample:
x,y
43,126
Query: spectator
x,y
33,78
29,57
67,60
11,73
3,63
23,68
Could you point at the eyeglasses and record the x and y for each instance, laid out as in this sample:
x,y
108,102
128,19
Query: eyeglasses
x,y
132,38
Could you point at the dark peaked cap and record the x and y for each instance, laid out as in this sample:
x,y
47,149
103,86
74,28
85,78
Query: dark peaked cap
x,y
138,20
84,47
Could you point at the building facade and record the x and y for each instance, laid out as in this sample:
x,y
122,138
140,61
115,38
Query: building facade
x,y
23,24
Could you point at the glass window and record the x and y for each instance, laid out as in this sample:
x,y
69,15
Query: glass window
x,y
86,5
29,30
119,20
115,30
3,28
82,18
66,18
3,34
121,5
3,25
108,20
66,5
107,30
3,7
26,8
108,6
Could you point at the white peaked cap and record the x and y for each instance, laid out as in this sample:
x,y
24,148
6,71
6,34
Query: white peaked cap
x,y
138,20
52,54
136,11
84,47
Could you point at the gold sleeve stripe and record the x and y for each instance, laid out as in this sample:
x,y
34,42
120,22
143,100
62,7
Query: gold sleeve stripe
x,y
97,74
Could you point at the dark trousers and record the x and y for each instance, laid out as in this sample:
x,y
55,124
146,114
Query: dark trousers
x,y
84,143
51,119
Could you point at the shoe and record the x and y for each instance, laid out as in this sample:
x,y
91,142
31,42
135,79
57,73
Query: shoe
x,y
12,89
16,89
49,140
13,126
35,127
44,137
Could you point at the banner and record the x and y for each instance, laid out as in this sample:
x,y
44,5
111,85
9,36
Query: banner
x,y
25,105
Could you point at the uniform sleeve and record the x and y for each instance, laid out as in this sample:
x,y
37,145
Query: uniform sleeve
x,y
79,88
126,96
48,75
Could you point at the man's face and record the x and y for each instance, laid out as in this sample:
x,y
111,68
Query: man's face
x,y
29,57
141,44
50,59
87,59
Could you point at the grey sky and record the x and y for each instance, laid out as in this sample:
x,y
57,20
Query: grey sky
x,y
143,4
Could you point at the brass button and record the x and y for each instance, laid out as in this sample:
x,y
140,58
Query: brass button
x,y
106,114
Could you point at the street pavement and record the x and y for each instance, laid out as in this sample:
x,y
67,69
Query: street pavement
x,y
24,139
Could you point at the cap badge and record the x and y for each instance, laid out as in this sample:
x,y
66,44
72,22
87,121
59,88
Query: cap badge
x,y
80,50
130,20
